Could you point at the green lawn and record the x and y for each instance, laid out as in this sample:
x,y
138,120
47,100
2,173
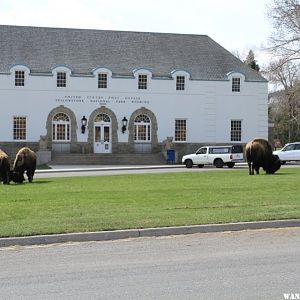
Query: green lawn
x,y
77,204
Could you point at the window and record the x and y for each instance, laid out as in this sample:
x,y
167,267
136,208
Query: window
x,y
142,128
236,131
102,81
61,127
289,147
219,150
61,79
201,151
102,118
180,130
19,78
19,132
180,81
236,84
142,82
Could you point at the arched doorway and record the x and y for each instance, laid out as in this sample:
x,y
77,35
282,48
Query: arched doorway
x,y
103,125
102,134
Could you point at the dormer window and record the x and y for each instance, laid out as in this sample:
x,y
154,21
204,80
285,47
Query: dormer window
x,y
180,83
102,81
61,79
142,85
236,84
19,78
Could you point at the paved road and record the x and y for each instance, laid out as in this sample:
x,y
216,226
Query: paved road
x,y
260,264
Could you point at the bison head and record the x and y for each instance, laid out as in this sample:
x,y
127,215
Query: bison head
x,y
273,165
16,177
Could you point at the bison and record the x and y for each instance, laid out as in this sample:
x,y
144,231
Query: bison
x,y
258,153
16,177
25,161
4,167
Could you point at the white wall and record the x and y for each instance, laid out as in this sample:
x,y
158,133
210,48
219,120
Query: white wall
x,y
208,106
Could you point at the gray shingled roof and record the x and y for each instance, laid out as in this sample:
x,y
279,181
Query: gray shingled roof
x,y
82,50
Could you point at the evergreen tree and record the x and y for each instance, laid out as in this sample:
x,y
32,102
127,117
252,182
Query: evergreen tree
x,y
250,61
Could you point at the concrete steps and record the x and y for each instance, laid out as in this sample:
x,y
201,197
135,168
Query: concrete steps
x,y
107,159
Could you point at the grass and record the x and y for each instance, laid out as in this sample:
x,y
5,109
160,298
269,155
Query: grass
x,y
78,204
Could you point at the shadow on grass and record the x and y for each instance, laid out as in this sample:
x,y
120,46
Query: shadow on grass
x,y
281,174
26,182
40,182
270,175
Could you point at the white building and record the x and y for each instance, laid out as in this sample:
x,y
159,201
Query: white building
x,y
166,85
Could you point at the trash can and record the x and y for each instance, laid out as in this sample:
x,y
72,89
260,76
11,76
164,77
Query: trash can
x,y
171,156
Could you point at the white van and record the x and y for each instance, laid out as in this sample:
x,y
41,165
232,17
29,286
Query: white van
x,y
215,155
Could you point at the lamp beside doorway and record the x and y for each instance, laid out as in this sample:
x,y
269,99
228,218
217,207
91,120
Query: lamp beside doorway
x,y
83,124
124,124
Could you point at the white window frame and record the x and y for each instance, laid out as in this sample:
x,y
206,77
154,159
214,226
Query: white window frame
x,y
176,130
236,84
102,82
67,128
180,83
19,78
142,126
61,79
236,130
17,129
142,81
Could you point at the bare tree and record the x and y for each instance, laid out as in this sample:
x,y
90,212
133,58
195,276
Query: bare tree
x,y
283,74
285,39
285,107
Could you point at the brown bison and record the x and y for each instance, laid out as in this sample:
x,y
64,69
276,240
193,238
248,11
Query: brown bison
x,y
25,161
4,167
259,153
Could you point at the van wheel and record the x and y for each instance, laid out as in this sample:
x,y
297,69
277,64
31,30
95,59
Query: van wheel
x,y
200,166
188,163
230,165
218,163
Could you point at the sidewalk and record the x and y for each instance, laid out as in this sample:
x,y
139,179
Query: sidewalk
x,y
147,232
80,168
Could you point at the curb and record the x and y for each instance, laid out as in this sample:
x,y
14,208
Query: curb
x,y
148,232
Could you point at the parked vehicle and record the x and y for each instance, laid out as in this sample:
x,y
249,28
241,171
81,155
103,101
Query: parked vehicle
x,y
290,152
215,155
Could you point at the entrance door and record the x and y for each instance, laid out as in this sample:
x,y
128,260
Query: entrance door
x,y
102,138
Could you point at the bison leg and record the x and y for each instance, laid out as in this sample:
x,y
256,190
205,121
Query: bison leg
x,y
5,178
255,166
251,168
29,174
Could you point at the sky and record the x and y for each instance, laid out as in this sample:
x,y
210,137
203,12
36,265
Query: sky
x,y
237,25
